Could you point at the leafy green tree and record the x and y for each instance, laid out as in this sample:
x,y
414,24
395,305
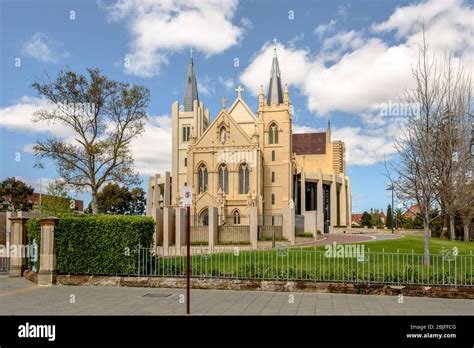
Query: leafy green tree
x,y
376,220
114,199
389,222
366,219
103,117
56,201
18,192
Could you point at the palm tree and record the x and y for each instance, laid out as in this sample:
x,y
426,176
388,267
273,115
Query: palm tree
x,y
398,217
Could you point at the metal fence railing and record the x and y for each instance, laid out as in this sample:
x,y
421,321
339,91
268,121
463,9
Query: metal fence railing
x,y
309,264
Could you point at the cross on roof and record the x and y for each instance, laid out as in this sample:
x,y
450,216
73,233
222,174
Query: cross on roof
x,y
275,41
223,101
239,91
191,51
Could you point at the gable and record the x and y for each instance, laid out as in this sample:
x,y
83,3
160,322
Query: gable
x,y
205,200
243,116
236,136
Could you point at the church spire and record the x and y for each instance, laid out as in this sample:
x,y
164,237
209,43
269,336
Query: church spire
x,y
191,91
275,94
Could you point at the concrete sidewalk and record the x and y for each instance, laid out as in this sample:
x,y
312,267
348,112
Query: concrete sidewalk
x,y
21,297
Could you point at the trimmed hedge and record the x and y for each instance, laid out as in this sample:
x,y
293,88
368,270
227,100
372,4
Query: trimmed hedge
x,y
101,244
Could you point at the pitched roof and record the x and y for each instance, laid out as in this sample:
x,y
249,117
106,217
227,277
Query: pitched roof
x,y
309,143
275,94
356,218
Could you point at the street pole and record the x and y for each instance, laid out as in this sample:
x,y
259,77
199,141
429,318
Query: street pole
x,y
393,209
188,261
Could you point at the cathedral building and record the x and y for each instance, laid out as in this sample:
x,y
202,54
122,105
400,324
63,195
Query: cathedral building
x,y
244,159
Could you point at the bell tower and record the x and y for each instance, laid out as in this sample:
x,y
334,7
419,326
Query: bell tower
x,y
275,136
190,119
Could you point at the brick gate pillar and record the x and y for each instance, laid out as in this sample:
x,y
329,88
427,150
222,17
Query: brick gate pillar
x,y
18,246
47,271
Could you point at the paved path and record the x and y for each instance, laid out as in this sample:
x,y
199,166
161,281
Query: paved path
x,y
21,297
346,239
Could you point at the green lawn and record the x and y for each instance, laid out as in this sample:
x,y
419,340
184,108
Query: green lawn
x,y
415,243
390,261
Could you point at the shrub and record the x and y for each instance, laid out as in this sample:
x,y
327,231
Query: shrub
x,y
33,230
304,234
101,244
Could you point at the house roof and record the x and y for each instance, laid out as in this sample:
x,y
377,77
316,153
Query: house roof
x,y
356,217
309,143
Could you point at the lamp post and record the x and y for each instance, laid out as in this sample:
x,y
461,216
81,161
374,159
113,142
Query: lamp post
x,y
391,187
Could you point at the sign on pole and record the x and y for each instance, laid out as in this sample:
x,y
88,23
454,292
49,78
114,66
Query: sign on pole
x,y
187,201
187,196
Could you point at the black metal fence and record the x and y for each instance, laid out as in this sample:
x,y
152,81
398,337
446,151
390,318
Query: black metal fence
x,y
356,265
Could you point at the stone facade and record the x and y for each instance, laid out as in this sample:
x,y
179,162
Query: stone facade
x,y
243,159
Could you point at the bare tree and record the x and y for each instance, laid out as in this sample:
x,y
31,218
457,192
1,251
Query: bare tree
x,y
453,139
103,117
416,146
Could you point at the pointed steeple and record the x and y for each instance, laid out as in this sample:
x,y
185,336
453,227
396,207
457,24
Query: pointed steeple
x,y
190,91
275,94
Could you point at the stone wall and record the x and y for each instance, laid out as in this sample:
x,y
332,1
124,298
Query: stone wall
x,y
263,285
233,234
199,234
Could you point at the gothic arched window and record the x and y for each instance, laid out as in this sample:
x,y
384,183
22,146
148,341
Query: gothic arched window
x,y
273,134
236,217
223,178
244,178
204,218
202,178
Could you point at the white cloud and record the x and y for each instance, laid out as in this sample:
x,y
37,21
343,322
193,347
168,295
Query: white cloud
x,y
246,23
449,25
228,82
336,46
18,117
151,150
43,49
367,71
293,66
322,29
159,28
364,146
306,129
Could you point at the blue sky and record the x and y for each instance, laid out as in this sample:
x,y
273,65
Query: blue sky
x,y
343,61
